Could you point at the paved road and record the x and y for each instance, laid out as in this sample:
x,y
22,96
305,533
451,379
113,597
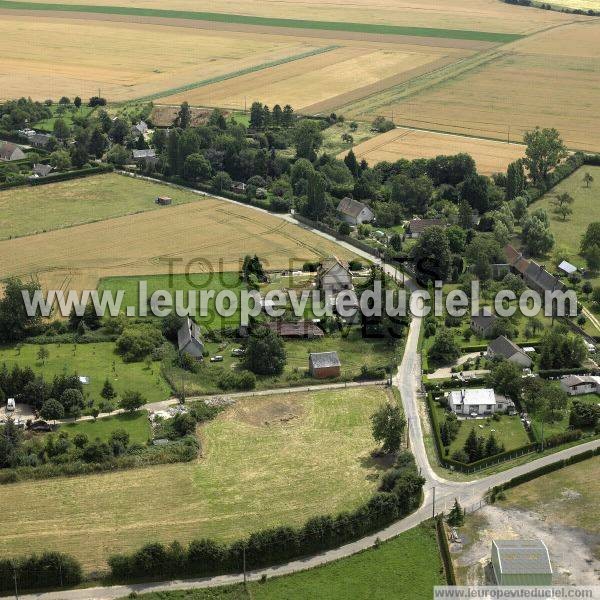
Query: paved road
x,y
408,381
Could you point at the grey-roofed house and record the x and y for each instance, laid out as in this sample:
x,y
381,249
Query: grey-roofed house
x,y
40,140
538,279
10,151
334,276
416,227
322,365
41,170
354,212
189,339
575,385
483,322
140,129
148,153
521,562
502,347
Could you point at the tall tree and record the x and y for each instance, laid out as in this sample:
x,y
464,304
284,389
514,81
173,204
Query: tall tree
x,y
316,204
545,149
431,255
515,180
184,116
388,424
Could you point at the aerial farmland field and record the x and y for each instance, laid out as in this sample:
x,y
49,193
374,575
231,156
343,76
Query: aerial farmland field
x,y
549,79
265,461
490,156
197,236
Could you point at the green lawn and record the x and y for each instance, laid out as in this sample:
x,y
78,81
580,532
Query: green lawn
x,y
586,209
29,210
265,461
136,424
508,430
332,136
67,116
96,361
267,21
404,568
353,350
192,282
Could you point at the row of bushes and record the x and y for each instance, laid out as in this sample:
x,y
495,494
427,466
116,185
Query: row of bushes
x,y
550,468
183,450
206,557
48,570
67,175
479,464
548,373
431,385
445,550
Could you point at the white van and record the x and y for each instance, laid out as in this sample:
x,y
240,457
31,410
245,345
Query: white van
x,y
10,405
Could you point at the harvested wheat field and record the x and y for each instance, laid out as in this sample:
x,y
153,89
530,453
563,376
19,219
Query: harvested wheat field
x,y
477,15
491,156
307,82
267,461
551,80
52,57
202,234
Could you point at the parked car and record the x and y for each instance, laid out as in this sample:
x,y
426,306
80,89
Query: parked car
x,y
10,405
238,352
217,358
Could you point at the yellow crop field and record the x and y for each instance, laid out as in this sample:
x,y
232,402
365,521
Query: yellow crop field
x,y
310,81
275,460
491,156
550,80
197,236
478,15
52,57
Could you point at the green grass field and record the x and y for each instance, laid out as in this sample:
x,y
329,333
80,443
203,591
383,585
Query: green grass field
x,y
508,430
353,350
586,209
96,361
184,283
272,22
29,210
404,568
266,461
68,115
136,424
568,496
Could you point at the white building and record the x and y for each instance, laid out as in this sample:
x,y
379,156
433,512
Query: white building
x,y
354,212
477,402
334,276
575,385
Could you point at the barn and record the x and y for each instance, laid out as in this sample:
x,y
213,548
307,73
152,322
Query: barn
x,y
521,562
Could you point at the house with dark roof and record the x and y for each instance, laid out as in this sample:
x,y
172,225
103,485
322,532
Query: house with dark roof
x,y
538,279
416,227
298,329
189,339
521,563
41,170
10,151
483,322
354,212
40,140
504,348
140,129
333,276
322,365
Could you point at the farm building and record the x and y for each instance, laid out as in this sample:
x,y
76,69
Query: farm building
x,y
521,562
334,276
416,227
477,402
189,339
324,364
354,212
299,329
164,200
10,151
538,279
502,347
518,263
575,385
483,322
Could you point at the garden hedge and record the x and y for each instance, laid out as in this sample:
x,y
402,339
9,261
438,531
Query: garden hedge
x,y
445,550
67,175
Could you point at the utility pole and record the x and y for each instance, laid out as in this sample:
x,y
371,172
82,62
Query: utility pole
x,y
244,555
15,577
433,510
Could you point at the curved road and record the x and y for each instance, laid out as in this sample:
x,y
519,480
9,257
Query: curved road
x,y
408,381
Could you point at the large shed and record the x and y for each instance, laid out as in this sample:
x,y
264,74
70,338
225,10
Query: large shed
x,y
324,364
521,562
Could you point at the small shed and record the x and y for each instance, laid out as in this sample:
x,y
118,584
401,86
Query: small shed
x,y
324,364
164,200
521,562
567,267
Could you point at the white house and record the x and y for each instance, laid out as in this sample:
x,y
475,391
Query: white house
x,y
575,385
354,212
334,276
477,402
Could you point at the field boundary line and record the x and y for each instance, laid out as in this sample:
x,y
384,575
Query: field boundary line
x,y
461,34
232,75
